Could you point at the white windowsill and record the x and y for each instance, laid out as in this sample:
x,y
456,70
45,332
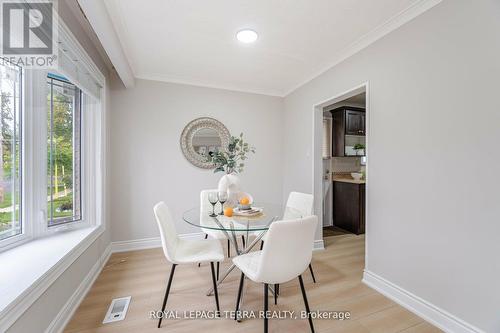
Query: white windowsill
x,y
29,269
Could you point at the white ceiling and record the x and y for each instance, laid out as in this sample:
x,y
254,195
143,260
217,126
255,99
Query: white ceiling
x,y
193,41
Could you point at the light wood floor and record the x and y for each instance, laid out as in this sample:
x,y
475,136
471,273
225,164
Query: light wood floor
x,y
338,269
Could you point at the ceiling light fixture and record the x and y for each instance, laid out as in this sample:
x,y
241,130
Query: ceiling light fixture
x,y
247,36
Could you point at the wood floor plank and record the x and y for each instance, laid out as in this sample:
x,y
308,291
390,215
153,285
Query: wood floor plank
x,y
423,327
391,320
338,269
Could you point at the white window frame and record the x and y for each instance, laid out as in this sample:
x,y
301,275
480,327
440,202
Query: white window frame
x,y
85,170
26,228
34,150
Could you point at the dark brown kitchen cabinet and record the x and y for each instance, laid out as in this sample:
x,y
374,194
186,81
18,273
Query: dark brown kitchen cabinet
x,y
354,122
349,206
349,121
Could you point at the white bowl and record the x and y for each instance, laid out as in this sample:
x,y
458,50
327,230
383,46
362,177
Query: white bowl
x,y
244,207
242,194
356,175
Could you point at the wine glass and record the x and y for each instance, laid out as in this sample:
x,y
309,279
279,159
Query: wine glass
x,y
222,198
212,198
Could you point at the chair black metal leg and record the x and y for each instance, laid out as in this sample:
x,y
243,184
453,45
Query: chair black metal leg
x,y
238,299
261,245
243,240
266,306
217,271
312,273
215,287
276,286
304,296
228,249
206,236
166,293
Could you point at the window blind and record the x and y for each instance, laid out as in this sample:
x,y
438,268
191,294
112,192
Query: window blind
x,y
75,64
74,69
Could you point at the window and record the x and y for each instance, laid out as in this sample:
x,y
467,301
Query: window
x,y
10,151
52,140
63,151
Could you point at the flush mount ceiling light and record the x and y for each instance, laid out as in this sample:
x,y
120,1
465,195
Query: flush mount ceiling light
x,y
247,36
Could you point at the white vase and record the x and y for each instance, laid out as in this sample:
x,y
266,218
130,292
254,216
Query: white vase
x,y
230,183
360,152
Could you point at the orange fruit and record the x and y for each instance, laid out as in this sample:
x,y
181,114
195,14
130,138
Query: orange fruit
x,y
244,201
228,211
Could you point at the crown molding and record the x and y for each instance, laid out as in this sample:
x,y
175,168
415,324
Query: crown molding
x,y
371,37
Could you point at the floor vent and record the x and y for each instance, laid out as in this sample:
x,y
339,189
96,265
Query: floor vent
x,y
117,310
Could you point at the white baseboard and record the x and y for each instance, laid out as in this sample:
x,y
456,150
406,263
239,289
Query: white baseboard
x,y
147,243
136,244
318,245
154,242
61,320
431,313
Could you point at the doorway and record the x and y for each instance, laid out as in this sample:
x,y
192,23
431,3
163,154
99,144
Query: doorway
x,y
341,137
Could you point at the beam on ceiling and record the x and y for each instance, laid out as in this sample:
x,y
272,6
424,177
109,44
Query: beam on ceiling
x,y
99,19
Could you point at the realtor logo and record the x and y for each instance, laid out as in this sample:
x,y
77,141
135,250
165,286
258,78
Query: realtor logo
x,y
28,33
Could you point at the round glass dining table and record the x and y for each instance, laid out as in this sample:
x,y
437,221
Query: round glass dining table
x,y
240,221
239,224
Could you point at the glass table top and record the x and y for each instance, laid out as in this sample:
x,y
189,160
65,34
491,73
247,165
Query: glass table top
x,y
262,221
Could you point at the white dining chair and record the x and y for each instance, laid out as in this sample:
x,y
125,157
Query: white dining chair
x,y
182,251
285,256
301,203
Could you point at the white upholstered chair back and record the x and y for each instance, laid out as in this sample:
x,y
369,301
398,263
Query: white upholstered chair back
x,y
288,250
299,202
168,232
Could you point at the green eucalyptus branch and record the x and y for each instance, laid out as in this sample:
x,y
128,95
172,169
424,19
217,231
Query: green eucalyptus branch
x,y
232,159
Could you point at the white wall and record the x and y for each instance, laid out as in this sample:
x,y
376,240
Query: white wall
x,y
432,224
147,162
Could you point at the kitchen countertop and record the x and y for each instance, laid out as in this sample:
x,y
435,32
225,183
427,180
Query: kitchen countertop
x,y
347,179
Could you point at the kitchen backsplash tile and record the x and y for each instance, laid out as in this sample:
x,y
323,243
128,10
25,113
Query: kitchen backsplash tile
x,y
345,164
